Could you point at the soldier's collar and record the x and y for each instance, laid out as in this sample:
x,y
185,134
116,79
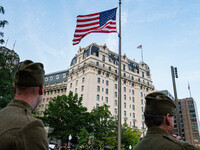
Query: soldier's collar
x,y
156,130
21,104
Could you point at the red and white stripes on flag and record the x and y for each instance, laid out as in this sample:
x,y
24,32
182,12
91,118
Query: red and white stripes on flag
x,y
103,22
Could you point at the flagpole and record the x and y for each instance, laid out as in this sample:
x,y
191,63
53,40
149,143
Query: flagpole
x,y
142,54
189,89
6,42
119,83
14,45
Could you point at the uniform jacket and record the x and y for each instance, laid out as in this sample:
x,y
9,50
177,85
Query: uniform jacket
x,y
19,130
158,139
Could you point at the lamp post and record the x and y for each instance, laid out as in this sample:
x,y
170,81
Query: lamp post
x,y
70,137
130,147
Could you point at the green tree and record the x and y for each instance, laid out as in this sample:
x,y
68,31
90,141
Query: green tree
x,y
105,128
130,136
2,24
7,71
83,138
66,115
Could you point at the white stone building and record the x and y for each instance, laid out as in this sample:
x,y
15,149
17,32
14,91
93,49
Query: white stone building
x,y
93,75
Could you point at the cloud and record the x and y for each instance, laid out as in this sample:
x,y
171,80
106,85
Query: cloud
x,y
112,42
124,17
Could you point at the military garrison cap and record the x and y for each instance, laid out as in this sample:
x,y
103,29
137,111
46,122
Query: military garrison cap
x,y
29,74
158,103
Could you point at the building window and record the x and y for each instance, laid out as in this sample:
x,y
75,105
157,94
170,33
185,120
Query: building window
x,y
132,84
142,101
97,105
103,65
115,78
106,99
99,72
116,71
141,94
124,89
106,91
98,88
124,74
70,85
103,58
124,67
133,107
124,81
75,90
83,80
133,92
107,82
134,115
138,79
115,102
133,100
107,75
124,97
115,110
82,88
98,80
115,86
109,68
142,109
124,113
132,78
97,63
115,94
124,105
76,82
133,124
97,97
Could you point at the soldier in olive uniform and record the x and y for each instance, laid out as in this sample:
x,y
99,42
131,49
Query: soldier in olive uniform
x,y
18,129
159,118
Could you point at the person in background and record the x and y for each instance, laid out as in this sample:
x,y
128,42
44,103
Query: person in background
x,y
19,130
159,118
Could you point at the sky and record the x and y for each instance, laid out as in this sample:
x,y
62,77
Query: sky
x,y
168,30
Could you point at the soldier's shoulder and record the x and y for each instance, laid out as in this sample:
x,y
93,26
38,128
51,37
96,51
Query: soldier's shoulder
x,y
179,143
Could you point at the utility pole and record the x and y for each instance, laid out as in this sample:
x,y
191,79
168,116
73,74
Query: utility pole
x,y
175,75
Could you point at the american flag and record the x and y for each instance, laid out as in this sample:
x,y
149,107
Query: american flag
x,y
104,22
140,46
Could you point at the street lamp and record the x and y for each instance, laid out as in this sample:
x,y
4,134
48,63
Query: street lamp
x,y
130,147
70,137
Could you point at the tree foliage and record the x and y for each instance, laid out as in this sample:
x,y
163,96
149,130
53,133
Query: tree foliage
x,y
130,136
104,127
2,24
7,71
67,116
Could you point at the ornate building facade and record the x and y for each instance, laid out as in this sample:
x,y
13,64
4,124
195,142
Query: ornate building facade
x,y
93,75
12,57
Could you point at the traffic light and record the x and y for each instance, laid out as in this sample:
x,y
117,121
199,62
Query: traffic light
x,y
176,72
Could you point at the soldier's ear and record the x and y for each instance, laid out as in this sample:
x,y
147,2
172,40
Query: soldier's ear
x,y
168,120
41,90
